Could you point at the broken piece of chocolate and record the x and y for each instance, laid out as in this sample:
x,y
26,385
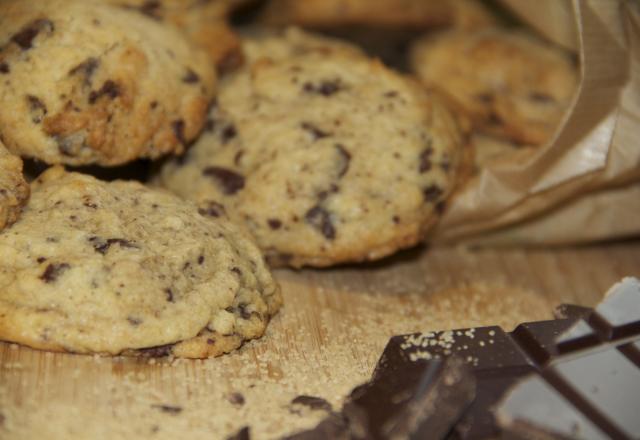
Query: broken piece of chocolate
x,y
593,389
577,376
419,401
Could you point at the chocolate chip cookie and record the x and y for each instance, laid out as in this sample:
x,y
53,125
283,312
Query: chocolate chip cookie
x,y
205,23
14,190
96,267
324,157
278,44
90,83
510,84
382,13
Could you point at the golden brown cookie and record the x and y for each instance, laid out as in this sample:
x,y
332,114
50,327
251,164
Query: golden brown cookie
x,y
325,157
92,83
510,84
97,267
14,190
384,13
204,22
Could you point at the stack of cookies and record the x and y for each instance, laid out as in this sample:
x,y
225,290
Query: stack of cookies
x,y
271,147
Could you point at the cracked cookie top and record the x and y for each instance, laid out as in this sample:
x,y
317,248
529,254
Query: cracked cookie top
x,y
325,157
91,83
96,267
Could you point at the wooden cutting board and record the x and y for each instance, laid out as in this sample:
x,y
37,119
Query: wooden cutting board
x,y
324,342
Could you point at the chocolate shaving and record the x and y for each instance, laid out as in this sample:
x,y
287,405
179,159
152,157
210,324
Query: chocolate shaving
x,y
169,409
315,403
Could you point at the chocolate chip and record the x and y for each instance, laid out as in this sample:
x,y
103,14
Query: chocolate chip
x,y
86,68
212,209
425,160
324,88
244,313
243,434
178,130
315,132
236,270
315,403
169,294
149,8
25,37
190,77
238,157
109,89
345,160
391,94
432,193
445,164
274,223
486,98
230,181
320,219
495,119
4,68
37,109
41,260
541,98
102,246
395,219
201,259
210,125
228,133
169,409
53,271
236,399
134,321
157,351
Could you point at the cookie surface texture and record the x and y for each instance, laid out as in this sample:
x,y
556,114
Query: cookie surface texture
x,y
325,158
205,23
381,13
96,267
14,190
90,83
510,84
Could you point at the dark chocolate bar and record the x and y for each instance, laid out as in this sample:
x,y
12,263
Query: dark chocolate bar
x,y
577,376
593,389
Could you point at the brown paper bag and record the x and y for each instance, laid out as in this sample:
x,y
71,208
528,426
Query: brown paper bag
x,y
596,146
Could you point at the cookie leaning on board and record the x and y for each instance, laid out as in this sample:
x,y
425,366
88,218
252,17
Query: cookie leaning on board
x,y
90,83
510,84
96,267
14,190
203,22
325,157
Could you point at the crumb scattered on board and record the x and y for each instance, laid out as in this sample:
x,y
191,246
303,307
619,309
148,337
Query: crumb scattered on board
x,y
317,347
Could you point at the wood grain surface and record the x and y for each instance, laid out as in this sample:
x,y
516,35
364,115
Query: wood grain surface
x,y
325,341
